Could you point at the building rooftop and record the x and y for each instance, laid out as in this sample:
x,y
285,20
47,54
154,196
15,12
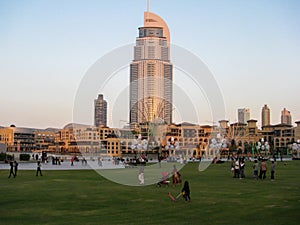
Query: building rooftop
x,y
282,125
76,125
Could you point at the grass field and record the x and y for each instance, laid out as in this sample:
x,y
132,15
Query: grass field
x,y
84,197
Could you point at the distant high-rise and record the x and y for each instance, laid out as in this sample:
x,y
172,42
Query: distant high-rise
x,y
286,117
243,115
265,116
151,73
100,115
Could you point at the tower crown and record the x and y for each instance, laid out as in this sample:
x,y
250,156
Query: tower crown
x,y
153,20
150,32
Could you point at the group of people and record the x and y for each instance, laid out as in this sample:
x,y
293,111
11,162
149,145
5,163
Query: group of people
x,y
238,167
176,179
13,168
259,166
56,160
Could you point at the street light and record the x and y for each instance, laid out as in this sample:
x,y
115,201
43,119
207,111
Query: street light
x,y
217,144
263,146
139,145
173,146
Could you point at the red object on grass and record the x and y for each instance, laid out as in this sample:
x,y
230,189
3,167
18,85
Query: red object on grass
x,y
171,197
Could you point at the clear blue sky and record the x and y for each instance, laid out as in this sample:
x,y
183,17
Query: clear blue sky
x,y
46,47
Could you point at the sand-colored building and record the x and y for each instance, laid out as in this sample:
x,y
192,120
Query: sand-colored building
x,y
22,139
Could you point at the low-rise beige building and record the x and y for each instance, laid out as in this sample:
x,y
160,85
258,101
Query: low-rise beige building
x,y
191,140
22,139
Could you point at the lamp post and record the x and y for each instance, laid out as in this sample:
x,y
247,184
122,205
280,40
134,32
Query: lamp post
x,y
263,147
174,147
216,145
139,145
296,148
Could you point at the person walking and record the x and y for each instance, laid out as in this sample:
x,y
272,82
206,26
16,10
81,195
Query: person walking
x,y
15,168
273,169
11,171
186,191
38,169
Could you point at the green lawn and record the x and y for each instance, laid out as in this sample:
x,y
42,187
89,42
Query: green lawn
x,y
84,197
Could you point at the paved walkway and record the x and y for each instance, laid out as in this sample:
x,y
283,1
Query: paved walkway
x,y
64,166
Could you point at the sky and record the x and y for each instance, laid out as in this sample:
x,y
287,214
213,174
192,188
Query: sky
x,y
252,48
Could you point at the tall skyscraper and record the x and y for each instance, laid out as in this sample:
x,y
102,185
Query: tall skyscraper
x,y
151,73
100,113
265,116
243,115
286,117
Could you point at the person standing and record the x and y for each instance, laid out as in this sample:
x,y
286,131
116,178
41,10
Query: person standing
x,y
237,168
242,168
181,159
263,169
174,171
39,169
72,161
16,168
232,167
176,177
273,169
11,171
255,169
186,191
141,175
99,161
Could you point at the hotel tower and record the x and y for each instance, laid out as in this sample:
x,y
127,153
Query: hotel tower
x,y
151,73
265,116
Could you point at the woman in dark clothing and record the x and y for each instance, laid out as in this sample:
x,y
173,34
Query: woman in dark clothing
x,y
11,172
186,191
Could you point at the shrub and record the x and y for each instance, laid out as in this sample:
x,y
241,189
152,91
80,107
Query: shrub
x,y
24,157
2,156
6,157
